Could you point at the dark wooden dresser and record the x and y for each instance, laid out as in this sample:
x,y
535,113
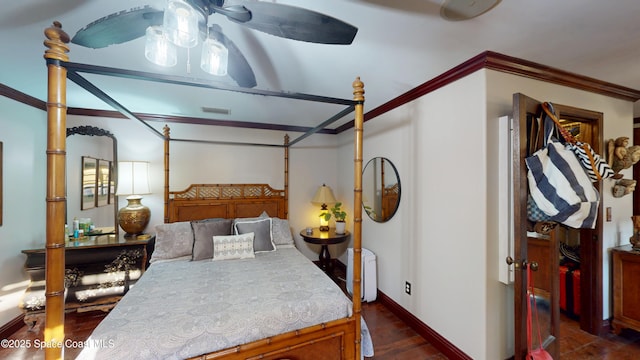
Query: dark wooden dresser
x,y
98,271
626,288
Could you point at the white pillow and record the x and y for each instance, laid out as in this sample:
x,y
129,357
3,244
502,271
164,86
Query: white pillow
x,y
226,247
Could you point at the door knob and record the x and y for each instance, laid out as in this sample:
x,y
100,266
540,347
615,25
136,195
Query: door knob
x,y
521,264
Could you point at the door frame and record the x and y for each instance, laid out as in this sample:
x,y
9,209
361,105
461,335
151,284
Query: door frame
x,y
590,239
591,255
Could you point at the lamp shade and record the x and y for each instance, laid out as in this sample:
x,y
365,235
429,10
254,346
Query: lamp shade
x,y
323,196
133,178
215,57
158,49
181,23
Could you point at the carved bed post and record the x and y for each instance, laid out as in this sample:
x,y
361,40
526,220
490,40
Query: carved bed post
x,y
56,183
286,176
358,96
166,173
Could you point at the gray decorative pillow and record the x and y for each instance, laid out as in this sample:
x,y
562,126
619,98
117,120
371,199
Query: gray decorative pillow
x,y
262,240
281,232
173,240
233,247
203,231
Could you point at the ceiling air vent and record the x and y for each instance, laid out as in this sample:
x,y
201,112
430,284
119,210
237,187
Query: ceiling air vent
x,y
218,111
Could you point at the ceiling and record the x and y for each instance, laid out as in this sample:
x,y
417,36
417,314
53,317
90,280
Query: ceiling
x,y
399,45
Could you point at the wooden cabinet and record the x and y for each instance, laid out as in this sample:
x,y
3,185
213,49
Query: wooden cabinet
x,y
98,271
626,288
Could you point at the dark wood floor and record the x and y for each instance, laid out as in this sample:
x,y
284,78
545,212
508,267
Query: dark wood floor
x,y
392,339
576,344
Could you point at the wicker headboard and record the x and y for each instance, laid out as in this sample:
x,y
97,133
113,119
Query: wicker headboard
x,y
204,201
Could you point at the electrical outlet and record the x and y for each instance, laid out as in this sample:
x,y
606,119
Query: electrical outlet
x,y
407,287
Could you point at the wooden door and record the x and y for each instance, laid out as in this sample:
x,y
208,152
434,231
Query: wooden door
x,y
525,110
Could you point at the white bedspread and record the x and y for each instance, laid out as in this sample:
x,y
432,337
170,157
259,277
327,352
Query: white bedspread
x,y
180,309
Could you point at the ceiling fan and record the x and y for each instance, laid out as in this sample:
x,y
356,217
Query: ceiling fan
x,y
280,20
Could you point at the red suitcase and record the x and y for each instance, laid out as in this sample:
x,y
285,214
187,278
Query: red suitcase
x,y
563,287
576,292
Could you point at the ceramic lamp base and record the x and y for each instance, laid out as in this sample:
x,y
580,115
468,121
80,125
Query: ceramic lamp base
x,y
134,217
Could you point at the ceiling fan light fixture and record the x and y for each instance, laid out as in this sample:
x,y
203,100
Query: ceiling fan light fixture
x,y
181,23
158,49
460,10
215,57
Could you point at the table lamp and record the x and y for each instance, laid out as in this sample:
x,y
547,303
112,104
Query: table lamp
x,y
323,196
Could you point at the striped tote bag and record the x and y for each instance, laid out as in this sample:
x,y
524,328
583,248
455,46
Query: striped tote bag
x,y
596,167
559,185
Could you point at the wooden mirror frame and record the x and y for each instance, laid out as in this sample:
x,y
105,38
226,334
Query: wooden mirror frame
x,y
95,131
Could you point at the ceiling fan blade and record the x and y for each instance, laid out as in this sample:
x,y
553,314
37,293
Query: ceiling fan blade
x,y
237,13
118,28
297,23
238,67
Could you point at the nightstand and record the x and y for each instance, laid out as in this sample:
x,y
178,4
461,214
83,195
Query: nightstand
x,y
325,238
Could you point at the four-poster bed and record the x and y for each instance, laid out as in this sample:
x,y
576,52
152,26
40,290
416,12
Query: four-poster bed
x,y
336,337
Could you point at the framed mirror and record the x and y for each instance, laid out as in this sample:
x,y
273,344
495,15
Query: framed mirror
x,y
92,159
380,189
103,180
88,183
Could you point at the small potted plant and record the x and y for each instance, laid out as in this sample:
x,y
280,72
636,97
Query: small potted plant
x,y
340,216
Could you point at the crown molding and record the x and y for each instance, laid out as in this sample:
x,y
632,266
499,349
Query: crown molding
x,y
506,64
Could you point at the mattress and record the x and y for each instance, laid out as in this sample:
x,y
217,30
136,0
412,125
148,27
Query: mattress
x,y
179,309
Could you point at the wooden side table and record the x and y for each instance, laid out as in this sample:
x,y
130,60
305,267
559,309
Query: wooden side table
x,y
325,238
626,288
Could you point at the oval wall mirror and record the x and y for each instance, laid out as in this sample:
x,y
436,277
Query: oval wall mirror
x,y
380,189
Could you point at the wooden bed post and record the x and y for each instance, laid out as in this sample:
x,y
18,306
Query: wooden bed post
x,y
56,184
286,176
166,173
358,96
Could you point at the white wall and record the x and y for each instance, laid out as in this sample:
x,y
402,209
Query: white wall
x,y
23,132
437,239
443,239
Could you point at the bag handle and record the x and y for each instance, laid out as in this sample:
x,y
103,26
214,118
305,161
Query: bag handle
x,y
566,135
548,109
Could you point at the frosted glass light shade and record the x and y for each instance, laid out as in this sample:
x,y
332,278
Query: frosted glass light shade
x,y
181,22
133,178
158,49
215,57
